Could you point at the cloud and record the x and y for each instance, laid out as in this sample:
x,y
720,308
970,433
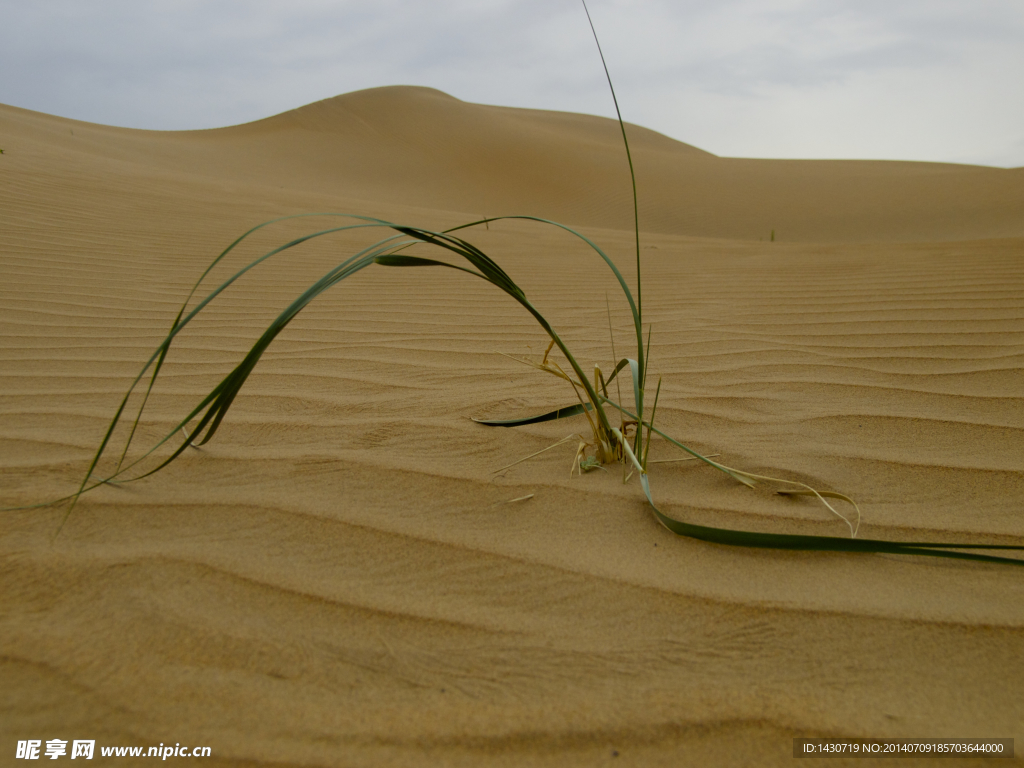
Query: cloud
x,y
917,79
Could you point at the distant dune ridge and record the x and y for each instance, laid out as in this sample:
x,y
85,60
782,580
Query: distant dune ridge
x,y
406,144
341,578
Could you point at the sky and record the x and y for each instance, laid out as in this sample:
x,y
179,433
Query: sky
x,y
933,80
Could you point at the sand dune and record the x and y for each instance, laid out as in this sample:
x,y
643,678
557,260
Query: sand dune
x,y
422,148
341,578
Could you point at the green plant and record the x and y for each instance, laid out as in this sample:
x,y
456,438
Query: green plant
x,y
626,440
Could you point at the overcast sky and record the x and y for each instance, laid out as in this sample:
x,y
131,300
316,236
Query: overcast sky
x,y
883,79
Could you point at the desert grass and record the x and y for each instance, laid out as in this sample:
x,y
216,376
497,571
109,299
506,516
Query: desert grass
x,y
617,435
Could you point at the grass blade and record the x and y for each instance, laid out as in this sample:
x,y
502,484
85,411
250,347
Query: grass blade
x,y
641,357
559,413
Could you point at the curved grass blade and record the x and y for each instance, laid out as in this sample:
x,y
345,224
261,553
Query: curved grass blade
x,y
490,271
217,403
741,538
634,309
826,543
160,354
558,413
832,543
224,393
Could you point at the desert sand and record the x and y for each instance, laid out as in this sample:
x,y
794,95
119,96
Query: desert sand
x,y
341,577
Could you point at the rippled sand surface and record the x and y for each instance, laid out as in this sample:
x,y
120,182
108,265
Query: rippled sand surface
x,y
342,578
